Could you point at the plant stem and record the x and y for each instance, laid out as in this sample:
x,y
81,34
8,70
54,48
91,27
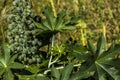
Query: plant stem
x,y
50,63
60,67
53,38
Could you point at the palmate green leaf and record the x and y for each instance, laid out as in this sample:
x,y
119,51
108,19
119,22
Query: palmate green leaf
x,y
53,24
1,71
47,25
75,20
12,58
79,52
40,26
69,28
77,48
3,63
8,75
16,65
110,55
66,72
109,60
91,47
110,49
111,71
5,48
115,63
64,26
101,45
80,56
85,72
55,73
5,51
60,17
68,22
49,16
59,27
103,66
25,77
7,62
101,73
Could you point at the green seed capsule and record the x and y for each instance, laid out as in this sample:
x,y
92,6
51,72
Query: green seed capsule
x,y
30,61
33,59
29,52
20,26
34,42
39,43
23,55
10,18
25,51
17,36
21,36
31,27
16,39
25,59
33,53
27,32
29,6
38,60
15,30
20,40
19,58
10,27
11,41
14,3
9,33
19,48
24,40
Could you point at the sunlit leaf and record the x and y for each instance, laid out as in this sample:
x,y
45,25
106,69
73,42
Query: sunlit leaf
x,y
52,24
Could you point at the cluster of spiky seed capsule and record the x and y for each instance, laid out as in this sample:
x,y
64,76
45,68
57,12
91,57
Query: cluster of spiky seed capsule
x,y
21,33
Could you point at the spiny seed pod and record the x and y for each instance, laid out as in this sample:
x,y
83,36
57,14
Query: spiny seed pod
x,y
21,32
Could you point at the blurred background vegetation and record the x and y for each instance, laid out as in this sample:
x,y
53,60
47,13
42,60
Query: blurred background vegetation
x,y
95,16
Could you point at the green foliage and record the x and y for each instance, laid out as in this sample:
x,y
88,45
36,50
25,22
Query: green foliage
x,y
7,62
58,50
21,33
64,75
99,62
53,25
